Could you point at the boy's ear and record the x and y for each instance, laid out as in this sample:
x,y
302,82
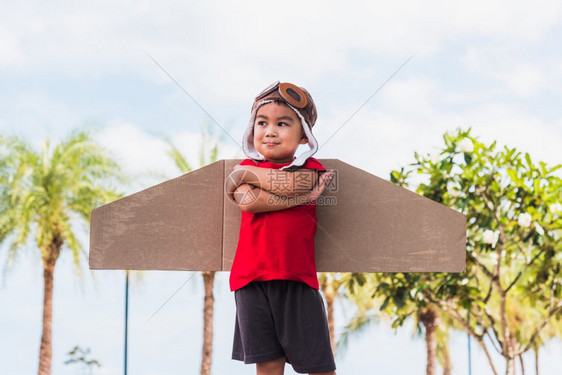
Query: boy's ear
x,y
303,140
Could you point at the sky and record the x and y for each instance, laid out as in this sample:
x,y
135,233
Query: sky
x,y
388,78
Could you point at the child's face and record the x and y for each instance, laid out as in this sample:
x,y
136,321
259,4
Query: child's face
x,y
277,132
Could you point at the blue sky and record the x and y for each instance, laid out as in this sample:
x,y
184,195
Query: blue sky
x,y
493,65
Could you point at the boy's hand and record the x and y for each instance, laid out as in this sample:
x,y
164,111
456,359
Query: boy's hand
x,y
321,185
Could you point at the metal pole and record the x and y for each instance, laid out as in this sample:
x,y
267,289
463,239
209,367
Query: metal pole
x,y
469,349
126,319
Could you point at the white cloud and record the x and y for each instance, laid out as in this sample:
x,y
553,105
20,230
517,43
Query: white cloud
x,y
513,19
523,79
514,128
523,76
37,111
241,42
10,48
135,150
410,116
145,156
416,96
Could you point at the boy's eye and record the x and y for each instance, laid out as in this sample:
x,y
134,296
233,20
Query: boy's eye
x,y
261,123
283,124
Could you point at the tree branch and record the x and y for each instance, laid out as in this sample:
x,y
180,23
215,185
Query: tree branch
x,y
553,312
496,334
522,271
501,291
455,315
486,271
489,292
503,319
498,349
448,308
480,321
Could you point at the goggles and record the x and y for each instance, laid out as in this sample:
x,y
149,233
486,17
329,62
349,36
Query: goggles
x,y
291,93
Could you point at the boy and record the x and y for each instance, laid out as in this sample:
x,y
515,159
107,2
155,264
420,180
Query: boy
x,y
280,314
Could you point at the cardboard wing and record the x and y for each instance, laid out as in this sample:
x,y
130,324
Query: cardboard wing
x,y
365,224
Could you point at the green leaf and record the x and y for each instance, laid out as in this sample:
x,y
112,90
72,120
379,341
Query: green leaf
x,y
385,303
399,298
498,185
382,286
555,168
528,160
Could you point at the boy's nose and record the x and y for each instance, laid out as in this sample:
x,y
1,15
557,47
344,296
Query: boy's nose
x,y
270,131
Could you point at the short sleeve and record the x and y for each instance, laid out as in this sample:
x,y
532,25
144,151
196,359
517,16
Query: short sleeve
x,y
312,163
248,162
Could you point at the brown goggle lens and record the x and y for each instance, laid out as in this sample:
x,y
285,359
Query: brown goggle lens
x,y
291,93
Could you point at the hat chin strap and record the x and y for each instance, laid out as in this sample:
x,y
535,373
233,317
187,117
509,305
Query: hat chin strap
x,y
252,153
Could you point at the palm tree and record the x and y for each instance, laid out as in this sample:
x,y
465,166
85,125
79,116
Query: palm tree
x,y
429,317
523,316
329,285
44,193
350,285
360,291
436,330
208,276
442,336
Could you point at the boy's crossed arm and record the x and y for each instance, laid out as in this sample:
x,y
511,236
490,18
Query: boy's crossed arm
x,y
275,181
257,189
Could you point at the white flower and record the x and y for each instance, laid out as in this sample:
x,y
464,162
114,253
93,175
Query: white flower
x,y
494,258
435,158
453,188
524,220
539,229
555,207
491,237
465,145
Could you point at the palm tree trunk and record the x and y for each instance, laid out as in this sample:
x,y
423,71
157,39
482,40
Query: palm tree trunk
x,y
329,292
327,288
510,358
522,364
207,353
429,318
330,311
510,366
537,361
46,349
447,365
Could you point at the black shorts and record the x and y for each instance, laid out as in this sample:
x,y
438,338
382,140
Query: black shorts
x,y
282,318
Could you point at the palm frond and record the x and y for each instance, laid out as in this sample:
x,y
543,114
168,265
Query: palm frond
x,y
178,158
42,190
355,328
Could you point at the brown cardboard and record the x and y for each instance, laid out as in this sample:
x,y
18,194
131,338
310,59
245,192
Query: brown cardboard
x,y
189,224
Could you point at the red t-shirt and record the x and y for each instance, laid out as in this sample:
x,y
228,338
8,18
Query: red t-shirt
x,y
276,245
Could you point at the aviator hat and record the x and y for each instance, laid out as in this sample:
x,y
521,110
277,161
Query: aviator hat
x,y
300,101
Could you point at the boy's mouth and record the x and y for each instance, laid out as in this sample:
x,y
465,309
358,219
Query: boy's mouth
x,y
270,143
